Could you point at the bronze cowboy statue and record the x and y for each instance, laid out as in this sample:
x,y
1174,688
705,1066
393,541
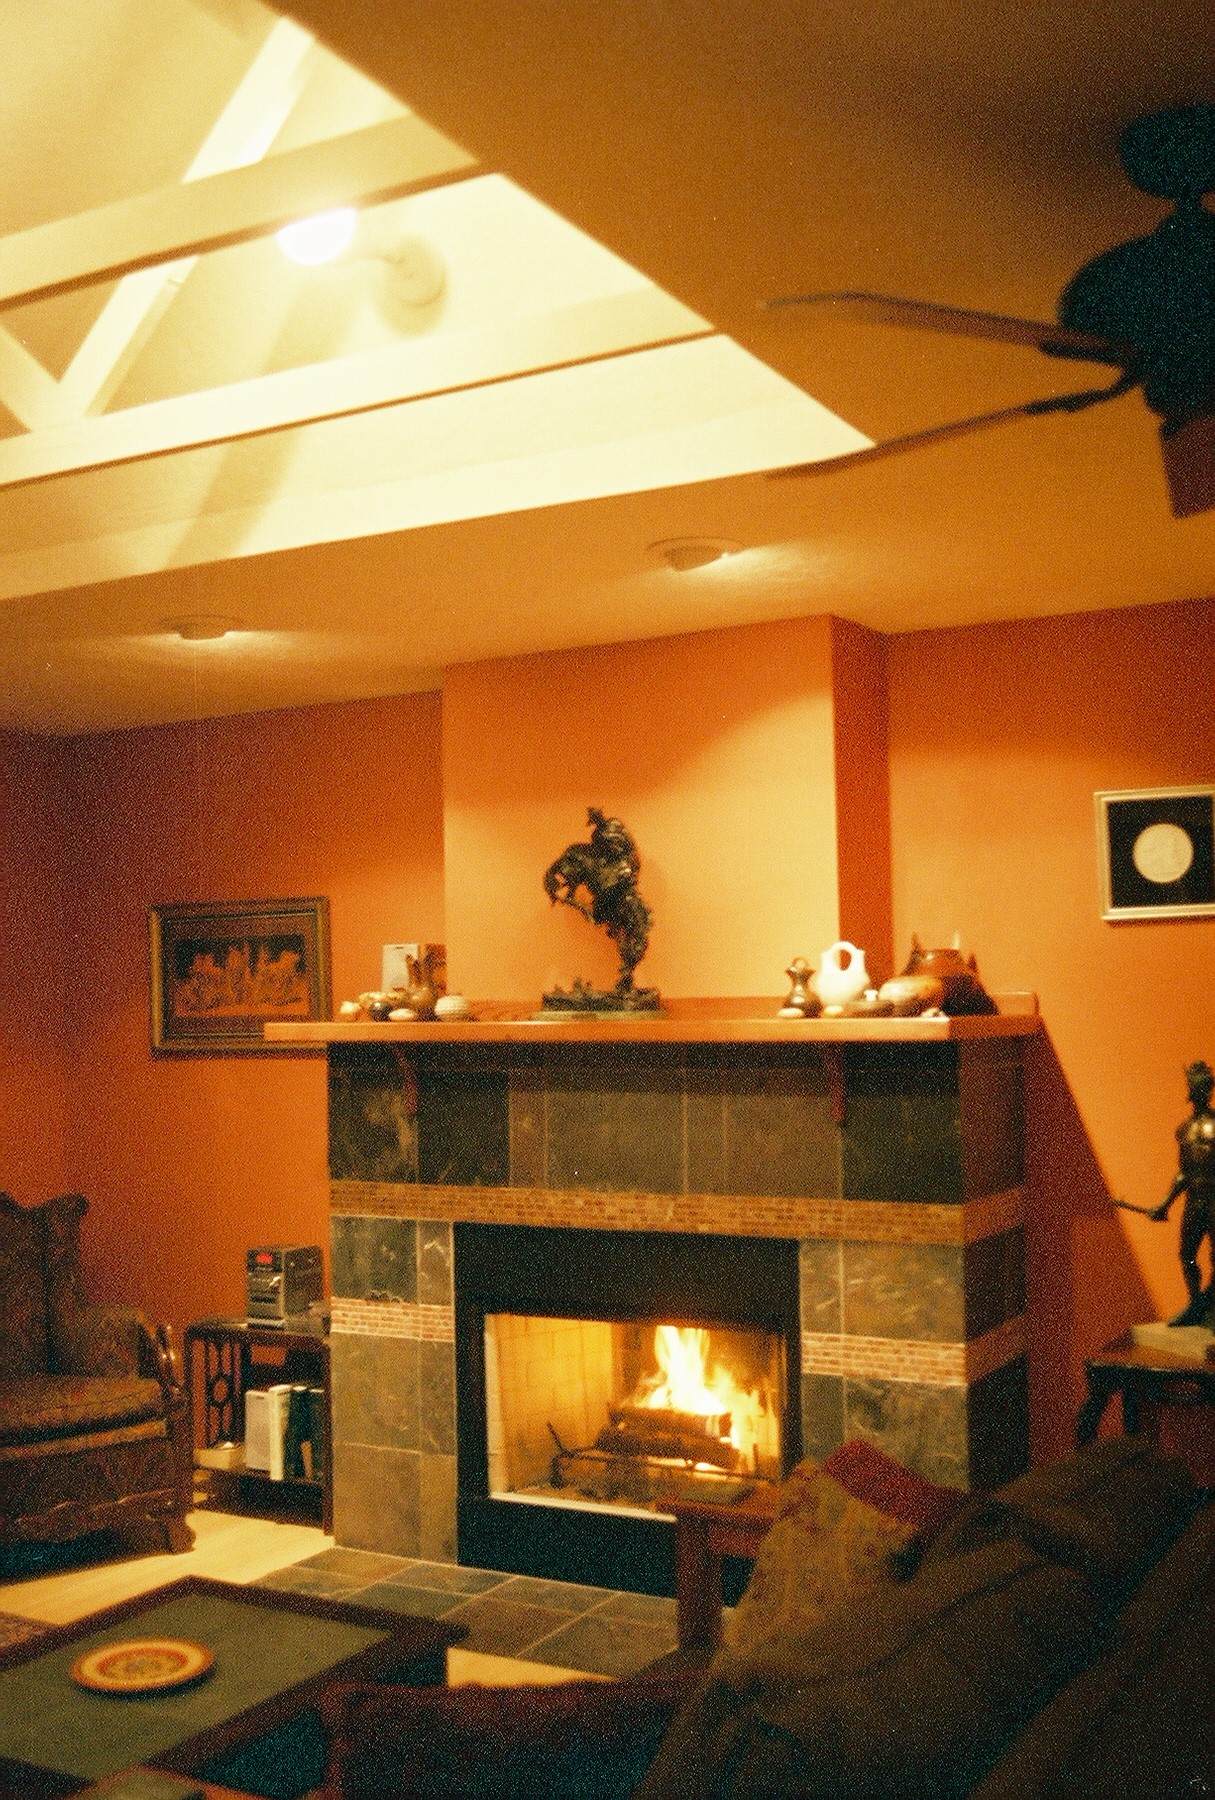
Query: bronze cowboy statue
x,y
599,880
1195,1179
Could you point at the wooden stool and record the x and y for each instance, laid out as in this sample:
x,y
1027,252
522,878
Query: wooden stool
x,y
704,1533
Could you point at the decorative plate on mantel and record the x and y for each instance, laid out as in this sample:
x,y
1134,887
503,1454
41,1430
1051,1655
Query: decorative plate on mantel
x,y
141,1666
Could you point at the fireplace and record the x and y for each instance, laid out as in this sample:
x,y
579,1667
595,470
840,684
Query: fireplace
x,y
837,1204
577,1355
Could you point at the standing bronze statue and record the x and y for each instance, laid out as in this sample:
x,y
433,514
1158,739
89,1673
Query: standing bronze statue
x,y
1195,1179
599,880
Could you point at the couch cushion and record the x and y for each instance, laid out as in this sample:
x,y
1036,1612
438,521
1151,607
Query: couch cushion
x,y
38,1407
825,1542
23,1326
1108,1512
587,1739
902,1693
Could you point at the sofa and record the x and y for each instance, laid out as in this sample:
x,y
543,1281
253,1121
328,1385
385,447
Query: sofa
x,y
94,1419
1050,1640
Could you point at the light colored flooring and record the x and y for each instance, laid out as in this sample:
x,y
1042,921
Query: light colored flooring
x,y
227,1547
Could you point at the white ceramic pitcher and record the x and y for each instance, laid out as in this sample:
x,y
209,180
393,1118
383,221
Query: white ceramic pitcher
x,y
841,975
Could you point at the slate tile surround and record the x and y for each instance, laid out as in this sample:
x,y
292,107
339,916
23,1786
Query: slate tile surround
x,y
907,1215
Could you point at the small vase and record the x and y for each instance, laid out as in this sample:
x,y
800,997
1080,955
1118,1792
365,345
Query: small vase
x,y
842,975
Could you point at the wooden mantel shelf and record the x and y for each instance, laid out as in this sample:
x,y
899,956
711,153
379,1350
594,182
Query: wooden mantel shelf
x,y
727,1021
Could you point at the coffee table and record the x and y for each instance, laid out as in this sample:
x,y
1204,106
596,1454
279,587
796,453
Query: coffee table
x,y
250,1723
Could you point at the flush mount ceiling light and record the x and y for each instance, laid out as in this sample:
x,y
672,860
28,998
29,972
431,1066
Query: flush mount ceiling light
x,y
693,552
320,239
201,628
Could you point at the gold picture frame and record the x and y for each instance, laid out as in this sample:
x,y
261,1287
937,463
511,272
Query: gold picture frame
x,y
222,970
1156,853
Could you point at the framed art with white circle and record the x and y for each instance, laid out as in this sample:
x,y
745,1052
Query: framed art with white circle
x,y
1157,853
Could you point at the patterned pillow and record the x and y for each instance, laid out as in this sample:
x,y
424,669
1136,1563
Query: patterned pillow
x,y
825,1542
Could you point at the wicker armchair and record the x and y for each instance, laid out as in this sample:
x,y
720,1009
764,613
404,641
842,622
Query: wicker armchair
x,y
94,1421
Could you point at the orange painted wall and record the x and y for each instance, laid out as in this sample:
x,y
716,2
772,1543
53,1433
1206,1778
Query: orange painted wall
x,y
35,969
718,751
999,737
189,1160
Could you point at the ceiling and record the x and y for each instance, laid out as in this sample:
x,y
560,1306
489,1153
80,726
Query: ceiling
x,y
548,353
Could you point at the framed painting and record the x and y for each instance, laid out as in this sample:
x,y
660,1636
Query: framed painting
x,y
1156,849
219,972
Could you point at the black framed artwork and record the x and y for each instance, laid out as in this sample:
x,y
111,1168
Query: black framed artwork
x,y
220,971
1157,853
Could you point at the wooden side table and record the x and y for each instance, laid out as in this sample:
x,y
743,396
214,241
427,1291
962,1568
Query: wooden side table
x,y
704,1533
1145,1380
230,1356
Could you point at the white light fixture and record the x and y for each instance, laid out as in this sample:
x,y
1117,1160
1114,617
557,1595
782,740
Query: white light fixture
x,y
684,554
320,239
201,628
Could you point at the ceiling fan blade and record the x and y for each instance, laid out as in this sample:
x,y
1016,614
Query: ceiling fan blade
x,y
960,321
939,434
1189,466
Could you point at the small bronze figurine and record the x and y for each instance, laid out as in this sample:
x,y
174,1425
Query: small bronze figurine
x,y
605,871
1196,1180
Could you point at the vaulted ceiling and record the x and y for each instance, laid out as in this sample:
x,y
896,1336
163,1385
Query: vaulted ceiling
x,y
548,351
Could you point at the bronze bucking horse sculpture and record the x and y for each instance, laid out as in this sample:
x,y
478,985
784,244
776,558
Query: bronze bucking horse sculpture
x,y
599,880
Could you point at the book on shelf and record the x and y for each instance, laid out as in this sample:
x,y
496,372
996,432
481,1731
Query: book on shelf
x,y
284,1431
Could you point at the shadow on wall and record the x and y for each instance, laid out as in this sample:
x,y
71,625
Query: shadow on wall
x,y
1070,1215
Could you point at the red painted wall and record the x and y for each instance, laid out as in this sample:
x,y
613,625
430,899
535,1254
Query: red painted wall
x,y
718,749
999,737
189,1160
37,968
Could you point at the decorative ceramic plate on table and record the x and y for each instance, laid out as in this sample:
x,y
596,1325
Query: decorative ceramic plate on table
x,y
141,1666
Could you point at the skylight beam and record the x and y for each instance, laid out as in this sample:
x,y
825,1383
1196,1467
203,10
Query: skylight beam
x,y
589,331
381,162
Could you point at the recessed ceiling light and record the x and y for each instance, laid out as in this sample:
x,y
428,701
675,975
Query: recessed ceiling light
x,y
320,239
693,552
201,627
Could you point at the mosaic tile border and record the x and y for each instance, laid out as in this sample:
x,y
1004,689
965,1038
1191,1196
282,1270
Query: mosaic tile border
x,y
734,1215
903,1359
421,1324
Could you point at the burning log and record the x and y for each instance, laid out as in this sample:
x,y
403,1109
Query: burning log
x,y
656,1431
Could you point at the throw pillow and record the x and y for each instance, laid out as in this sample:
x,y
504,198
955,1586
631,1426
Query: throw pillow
x,y
870,1474
587,1738
825,1542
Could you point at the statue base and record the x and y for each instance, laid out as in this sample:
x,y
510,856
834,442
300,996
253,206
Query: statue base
x,y
1191,1343
585,1002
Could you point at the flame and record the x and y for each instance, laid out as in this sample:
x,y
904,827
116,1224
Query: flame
x,y
686,1384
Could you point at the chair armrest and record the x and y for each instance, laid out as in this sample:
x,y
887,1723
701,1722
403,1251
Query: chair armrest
x,y
116,1340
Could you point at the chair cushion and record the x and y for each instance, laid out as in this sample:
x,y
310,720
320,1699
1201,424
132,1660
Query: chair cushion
x,y
23,1324
913,1689
37,1407
824,1542
586,1738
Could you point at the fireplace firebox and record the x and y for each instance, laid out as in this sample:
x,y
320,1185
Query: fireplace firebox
x,y
601,1375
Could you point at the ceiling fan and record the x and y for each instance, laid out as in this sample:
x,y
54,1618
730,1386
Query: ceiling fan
x,y
1147,307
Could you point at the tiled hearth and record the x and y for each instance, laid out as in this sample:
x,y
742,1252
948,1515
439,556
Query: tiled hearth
x,y
893,1168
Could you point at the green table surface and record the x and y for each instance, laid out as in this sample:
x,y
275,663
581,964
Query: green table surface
x,y
259,1651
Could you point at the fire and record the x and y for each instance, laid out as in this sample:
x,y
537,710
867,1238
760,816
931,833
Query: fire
x,y
687,1385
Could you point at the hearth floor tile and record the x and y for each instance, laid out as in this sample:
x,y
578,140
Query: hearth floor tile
x,y
604,1645
399,1596
499,1628
558,1624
